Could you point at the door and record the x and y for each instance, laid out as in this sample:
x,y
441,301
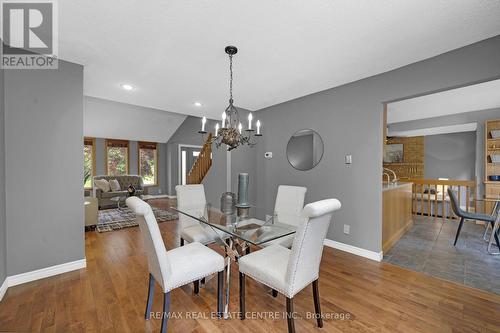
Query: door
x,y
188,155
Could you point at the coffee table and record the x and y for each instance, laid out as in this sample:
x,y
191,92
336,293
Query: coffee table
x,y
118,200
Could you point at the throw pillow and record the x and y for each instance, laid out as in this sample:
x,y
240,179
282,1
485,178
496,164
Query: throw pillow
x,y
115,185
102,184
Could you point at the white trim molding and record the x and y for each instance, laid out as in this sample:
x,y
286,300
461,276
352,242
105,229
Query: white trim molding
x,y
377,256
42,273
3,288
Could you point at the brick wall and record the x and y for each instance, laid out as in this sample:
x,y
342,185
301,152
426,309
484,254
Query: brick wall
x,y
413,157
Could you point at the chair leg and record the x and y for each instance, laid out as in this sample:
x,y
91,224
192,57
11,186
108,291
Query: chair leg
x,y
242,296
458,230
202,281
182,241
274,293
196,287
289,315
317,306
149,302
220,291
166,311
495,235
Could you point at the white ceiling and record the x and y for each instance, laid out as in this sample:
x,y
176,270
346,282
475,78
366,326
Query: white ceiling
x,y
468,127
475,97
173,51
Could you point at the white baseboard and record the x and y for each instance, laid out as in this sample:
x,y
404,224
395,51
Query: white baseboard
x,y
3,288
38,274
377,256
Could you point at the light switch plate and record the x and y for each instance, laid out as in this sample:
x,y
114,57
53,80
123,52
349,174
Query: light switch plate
x,y
268,154
348,159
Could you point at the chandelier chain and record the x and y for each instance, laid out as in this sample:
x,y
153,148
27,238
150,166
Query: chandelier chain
x,y
231,78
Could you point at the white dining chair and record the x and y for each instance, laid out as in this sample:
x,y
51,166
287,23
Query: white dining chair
x,y
191,199
288,210
177,267
290,270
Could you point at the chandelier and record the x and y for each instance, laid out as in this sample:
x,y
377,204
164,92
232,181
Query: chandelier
x,y
231,132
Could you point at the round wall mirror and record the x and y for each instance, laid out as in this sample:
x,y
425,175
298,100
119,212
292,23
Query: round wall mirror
x,y
305,149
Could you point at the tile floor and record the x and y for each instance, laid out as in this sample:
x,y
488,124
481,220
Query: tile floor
x,y
428,247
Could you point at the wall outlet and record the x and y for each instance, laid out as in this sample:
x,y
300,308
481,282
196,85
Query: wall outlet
x,y
347,229
159,191
348,159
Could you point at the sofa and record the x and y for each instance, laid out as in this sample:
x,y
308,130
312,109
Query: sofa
x,y
103,198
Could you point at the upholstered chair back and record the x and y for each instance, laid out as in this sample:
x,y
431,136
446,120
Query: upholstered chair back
x,y
455,206
307,248
158,263
190,199
289,204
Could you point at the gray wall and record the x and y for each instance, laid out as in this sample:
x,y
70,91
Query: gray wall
x,y
476,116
3,244
43,150
349,119
100,163
451,155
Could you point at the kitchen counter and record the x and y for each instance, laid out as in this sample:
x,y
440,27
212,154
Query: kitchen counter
x,y
397,216
392,186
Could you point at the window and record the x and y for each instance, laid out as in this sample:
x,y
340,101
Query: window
x,y
116,157
148,163
88,162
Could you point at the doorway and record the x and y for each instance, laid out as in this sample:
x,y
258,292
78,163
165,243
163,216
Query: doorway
x,y
187,156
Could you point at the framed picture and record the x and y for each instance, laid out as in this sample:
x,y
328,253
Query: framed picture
x,y
393,153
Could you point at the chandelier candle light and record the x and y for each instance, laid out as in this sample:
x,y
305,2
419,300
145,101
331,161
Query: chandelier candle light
x,y
231,131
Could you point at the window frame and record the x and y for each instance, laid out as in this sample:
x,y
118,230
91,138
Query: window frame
x,y
92,143
148,145
117,143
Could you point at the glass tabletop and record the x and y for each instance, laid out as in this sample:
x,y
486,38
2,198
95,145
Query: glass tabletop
x,y
248,229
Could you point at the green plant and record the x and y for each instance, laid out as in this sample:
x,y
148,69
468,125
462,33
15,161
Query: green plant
x,y
86,176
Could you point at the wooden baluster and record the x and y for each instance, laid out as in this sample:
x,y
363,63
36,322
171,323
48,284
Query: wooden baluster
x,y
436,207
429,200
413,192
421,199
443,204
467,198
459,198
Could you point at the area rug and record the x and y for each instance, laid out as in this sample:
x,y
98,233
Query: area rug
x,y
115,219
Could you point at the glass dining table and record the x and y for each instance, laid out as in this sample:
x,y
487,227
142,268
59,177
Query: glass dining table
x,y
496,226
236,233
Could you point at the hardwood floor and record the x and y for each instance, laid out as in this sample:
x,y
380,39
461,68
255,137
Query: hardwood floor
x,y
110,295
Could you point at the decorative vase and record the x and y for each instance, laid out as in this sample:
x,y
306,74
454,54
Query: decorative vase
x,y
243,190
227,203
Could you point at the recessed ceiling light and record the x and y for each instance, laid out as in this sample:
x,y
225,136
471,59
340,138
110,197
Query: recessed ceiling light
x,y
197,104
127,87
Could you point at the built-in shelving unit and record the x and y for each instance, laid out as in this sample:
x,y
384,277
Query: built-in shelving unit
x,y
492,147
